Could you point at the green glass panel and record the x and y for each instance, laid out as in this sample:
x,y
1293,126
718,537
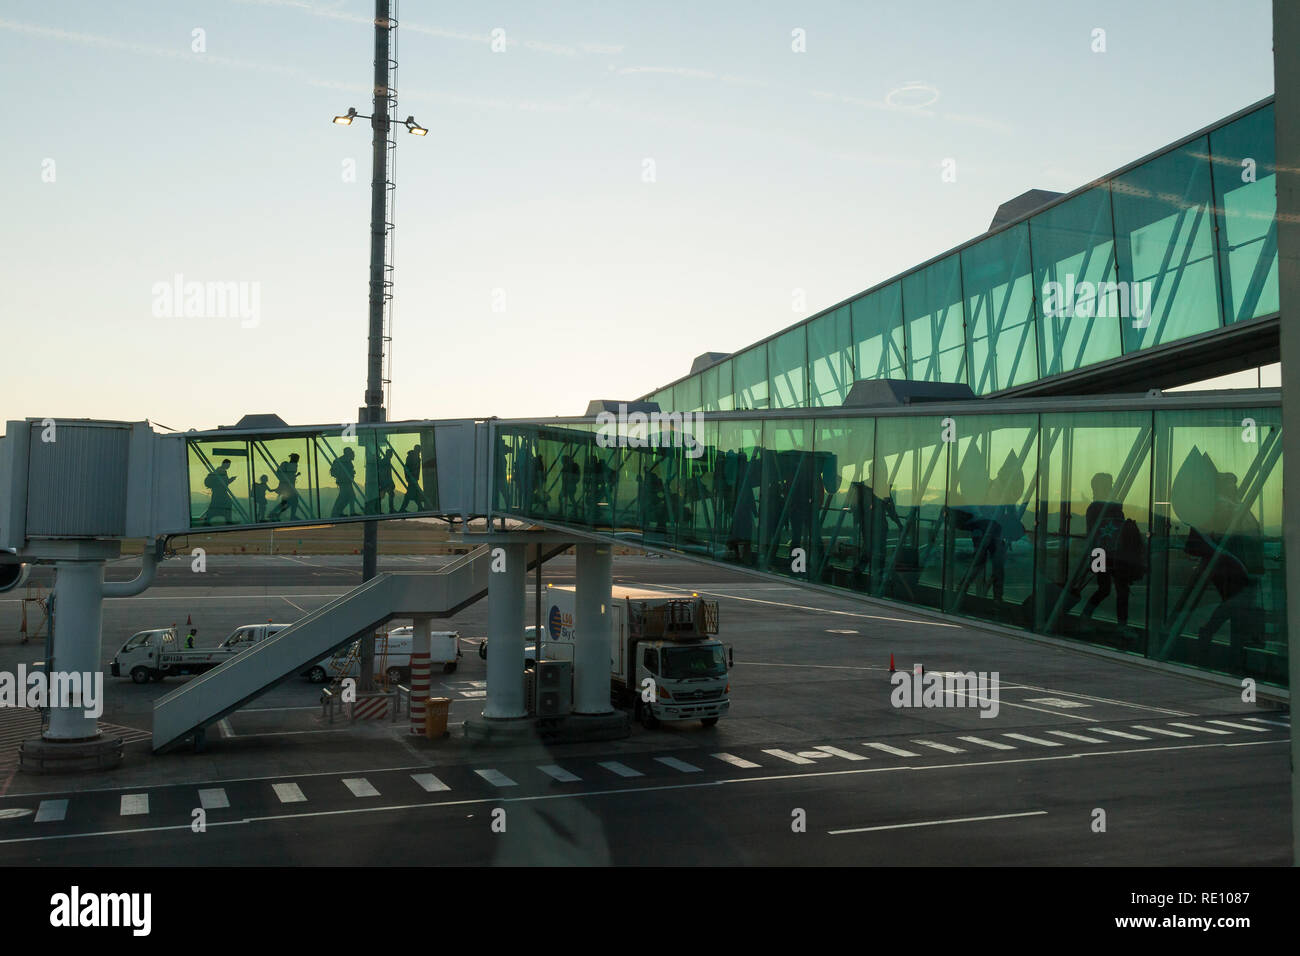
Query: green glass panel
x,y
787,498
935,320
220,484
1164,247
1245,195
910,483
830,357
750,371
992,509
726,396
287,469
1216,554
851,509
1074,249
1095,474
999,289
689,396
341,465
737,482
787,363
709,389
878,338
405,476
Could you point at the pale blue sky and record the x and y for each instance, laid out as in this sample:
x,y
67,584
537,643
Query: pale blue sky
x,y
775,170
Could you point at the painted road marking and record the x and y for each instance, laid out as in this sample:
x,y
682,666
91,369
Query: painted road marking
x,y
1069,736
987,743
289,792
496,778
837,752
676,764
939,823
1160,730
1117,733
360,787
1057,702
428,782
946,748
135,804
737,761
213,799
786,755
559,773
1265,720
1197,727
1228,723
13,813
896,751
622,769
1034,740
51,811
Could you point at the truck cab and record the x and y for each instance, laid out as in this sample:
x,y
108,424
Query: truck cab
x,y
242,638
141,655
690,681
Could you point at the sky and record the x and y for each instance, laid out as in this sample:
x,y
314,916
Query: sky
x,y
606,191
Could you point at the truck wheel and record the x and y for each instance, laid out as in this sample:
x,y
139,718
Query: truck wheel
x,y
709,721
316,675
648,720
449,668
140,674
482,650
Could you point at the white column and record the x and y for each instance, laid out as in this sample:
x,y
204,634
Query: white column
x,y
505,653
78,618
591,620
420,669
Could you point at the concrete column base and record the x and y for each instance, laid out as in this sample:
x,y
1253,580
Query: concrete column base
x,y
571,728
41,755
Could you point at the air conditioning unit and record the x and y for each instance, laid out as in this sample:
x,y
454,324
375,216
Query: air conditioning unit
x,y
554,688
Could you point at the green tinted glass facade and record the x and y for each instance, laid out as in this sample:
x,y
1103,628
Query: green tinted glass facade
x,y
1152,528
311,475
1180,245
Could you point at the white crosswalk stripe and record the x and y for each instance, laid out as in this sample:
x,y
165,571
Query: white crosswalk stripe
x,y
1198,728
1069,736
736,761
787,756
622,769
1160,730
213,799
557,772
289,792
987,743
1275,723
676,764
496,778
896,751
135,804
1229,723
428,782
1117,733
360,787
51,811
1034,740
837,752
946,748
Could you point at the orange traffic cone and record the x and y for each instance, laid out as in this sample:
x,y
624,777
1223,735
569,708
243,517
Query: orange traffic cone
x,y
188,622
891,662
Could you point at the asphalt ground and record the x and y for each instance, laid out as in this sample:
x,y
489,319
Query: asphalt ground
x,y
814,765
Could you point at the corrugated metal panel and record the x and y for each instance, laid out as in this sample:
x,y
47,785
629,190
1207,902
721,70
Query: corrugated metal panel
x,y
77,482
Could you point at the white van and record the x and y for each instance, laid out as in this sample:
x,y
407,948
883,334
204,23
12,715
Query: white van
x,y
392,656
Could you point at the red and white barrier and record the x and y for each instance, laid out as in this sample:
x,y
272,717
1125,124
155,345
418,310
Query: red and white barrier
x,y
420,671
370,708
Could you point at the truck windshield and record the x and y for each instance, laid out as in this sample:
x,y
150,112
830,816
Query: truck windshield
x,y
683,662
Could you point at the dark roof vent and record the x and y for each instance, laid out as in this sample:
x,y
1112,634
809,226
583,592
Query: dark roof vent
x,y
1022,206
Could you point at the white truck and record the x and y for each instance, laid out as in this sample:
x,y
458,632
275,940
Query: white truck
x,y
665,663
392,656
156,654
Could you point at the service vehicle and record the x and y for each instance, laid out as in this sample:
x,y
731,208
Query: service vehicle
x,y
156,653
392,656
662,647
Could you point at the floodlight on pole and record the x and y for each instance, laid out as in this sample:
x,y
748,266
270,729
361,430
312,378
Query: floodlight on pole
x,y
415,128
346,118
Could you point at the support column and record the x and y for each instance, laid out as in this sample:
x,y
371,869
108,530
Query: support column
x,y
420,669
78,588
505,652
592,620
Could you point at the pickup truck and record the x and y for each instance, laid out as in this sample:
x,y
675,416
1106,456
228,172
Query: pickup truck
x,y
155,654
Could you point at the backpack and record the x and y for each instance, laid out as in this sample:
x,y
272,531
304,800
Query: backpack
x,y
1132,554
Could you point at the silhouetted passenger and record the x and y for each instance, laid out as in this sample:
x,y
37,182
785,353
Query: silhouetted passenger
x,y
287,473
411,470
222,503
343,470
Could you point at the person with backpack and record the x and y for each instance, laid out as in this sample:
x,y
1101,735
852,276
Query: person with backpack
x,y
1121,564
222,502
343,470
287,473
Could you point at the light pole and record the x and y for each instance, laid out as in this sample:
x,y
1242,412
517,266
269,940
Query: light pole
x,y
373,409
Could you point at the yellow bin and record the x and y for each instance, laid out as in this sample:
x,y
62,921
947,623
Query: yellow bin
x,y
435,717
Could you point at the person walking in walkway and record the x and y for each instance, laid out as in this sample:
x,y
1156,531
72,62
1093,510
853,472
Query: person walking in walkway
x,y
344,472
222,503
287,472
387,487
411,469
1104,525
